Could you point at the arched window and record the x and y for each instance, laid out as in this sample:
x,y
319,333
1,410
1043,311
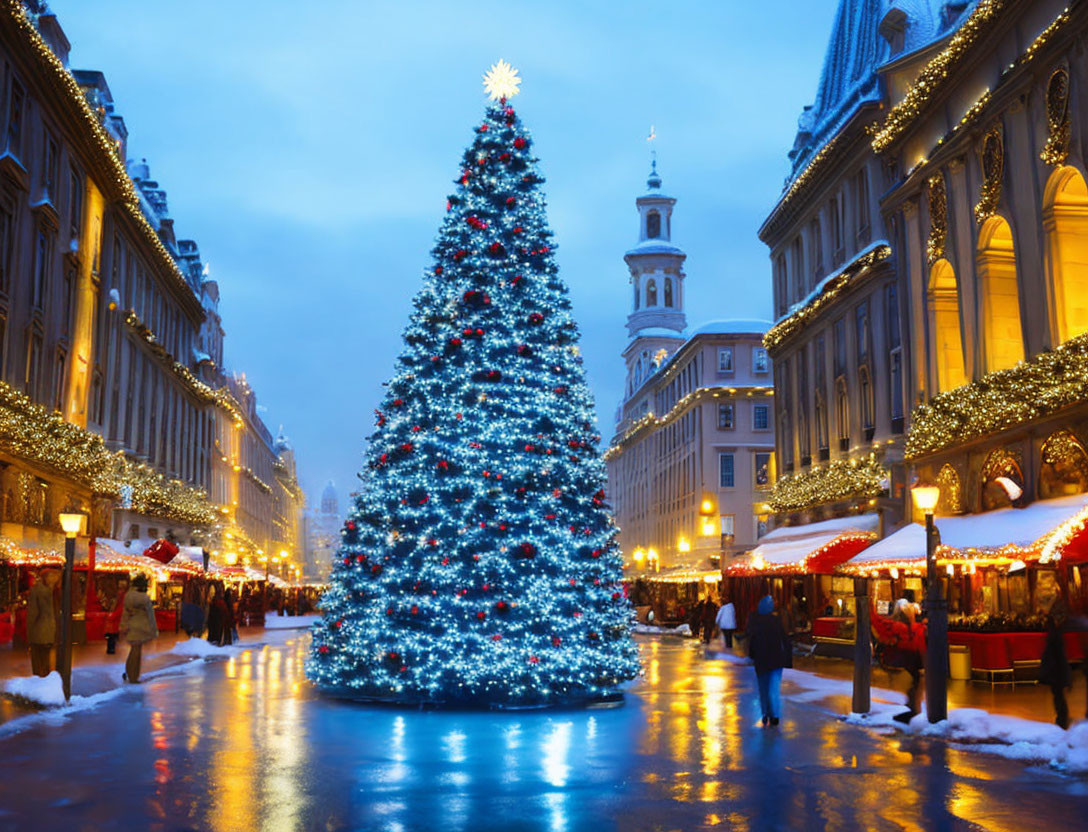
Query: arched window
x,y
1002,480
668,291
653,225
1065,220
821,425
1064,468
944,326
1003,340
781,299
651,292
951,501
797,266
865,388
842,415
816,248
636,295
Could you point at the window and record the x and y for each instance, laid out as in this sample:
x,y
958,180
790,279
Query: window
x,y
651,292
816,246
668,291
636,295
862,196
725,359
50,157
58,381
759,360
75,204
761,417
725,417
840,346
891,303
653,225
42,255
15,119
821,426
797,267
763,468
725,472
896,380
32,371
780,299
7,240
843,416
866,390
761,526
834,210
728,527
862,320
66,302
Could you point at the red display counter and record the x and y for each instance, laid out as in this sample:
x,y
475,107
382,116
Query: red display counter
x,y
998,651
166,620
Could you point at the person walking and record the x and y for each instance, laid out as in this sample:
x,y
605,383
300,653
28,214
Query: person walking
x,y
113,620
710,618
770,650
137,626
727,623
903,643
41,621
1054,669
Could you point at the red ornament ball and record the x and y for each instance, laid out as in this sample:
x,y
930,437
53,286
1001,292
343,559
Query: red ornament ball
x,y
520,142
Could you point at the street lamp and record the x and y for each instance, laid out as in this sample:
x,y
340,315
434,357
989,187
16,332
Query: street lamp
x,y
926,498
72,524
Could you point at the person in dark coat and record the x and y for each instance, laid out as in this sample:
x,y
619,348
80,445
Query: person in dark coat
x,y
1054,669
710,615
217,614
770,650
695,618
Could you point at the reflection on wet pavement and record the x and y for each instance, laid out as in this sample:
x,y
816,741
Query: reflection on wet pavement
x,y
245,744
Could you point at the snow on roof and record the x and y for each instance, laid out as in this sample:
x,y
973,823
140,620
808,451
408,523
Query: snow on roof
x,y
819,288
732,326
656,246
792,544
657,332
989,530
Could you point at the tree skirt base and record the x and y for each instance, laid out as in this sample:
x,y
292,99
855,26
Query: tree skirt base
x,y
612,699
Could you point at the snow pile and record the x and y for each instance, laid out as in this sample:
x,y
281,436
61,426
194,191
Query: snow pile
x,y
1007,736
288,622
198,648
650,629
47,690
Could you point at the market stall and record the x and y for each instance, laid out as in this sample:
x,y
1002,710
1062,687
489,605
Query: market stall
x,y
672,593
796,565
1003,571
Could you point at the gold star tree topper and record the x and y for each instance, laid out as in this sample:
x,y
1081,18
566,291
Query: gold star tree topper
x,y
501,81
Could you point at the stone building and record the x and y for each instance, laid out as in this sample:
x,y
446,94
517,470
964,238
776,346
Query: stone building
x,y
322,535
946,340
693,448
840,339
113,392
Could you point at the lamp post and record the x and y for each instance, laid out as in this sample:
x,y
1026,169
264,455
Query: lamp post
x,y
71,523
925,498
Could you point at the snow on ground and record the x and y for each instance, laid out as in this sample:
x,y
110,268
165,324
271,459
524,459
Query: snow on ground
x,y
651,630
199,648
288,622
969,729
43,690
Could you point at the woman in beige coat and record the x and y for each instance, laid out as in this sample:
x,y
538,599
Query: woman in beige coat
x,y
137,625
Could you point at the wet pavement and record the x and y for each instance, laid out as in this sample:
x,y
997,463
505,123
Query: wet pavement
x,y
245,744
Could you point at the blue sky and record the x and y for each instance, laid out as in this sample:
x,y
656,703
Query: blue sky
x,y
309,148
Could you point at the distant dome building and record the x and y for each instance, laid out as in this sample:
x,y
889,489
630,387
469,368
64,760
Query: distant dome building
x,y
323,534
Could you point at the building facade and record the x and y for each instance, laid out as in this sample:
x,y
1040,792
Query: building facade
x,y
693,449
113,392
840,341
988,198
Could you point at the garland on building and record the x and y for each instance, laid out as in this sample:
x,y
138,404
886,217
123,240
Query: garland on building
x,y
42,437
842,479
1002,399
832,288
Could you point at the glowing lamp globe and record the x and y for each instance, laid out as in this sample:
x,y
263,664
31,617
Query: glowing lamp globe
x,y
926,497
72,523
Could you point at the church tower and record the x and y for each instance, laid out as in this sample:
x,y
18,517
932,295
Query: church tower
x,y
657,321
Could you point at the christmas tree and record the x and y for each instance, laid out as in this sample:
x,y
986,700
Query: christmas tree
x,y
479,562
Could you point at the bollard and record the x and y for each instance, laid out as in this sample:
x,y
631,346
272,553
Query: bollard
x,y
863,648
